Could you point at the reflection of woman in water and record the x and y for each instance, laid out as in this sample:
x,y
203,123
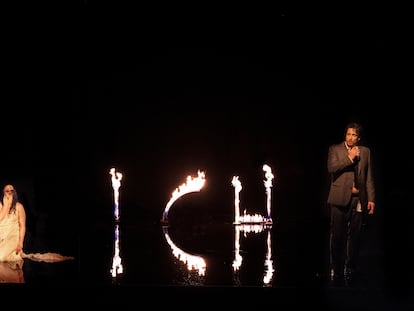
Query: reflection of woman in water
x,y
12,233
11,272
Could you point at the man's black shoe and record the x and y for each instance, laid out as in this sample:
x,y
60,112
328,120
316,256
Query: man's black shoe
x,y
349,273
335,275
336,279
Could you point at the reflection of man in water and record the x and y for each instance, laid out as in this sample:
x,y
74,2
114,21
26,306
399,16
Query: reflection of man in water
x,y
116,184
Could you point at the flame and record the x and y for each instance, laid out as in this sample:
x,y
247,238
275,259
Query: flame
x,y
246,218
193,184
237,188
116,184
268,185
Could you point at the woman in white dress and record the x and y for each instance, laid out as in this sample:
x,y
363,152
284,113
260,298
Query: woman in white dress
x,y
12,234
12,226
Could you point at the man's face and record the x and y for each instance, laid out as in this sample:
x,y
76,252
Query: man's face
x,y
351,137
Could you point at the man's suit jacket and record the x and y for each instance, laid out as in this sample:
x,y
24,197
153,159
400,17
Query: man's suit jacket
x,y
341,170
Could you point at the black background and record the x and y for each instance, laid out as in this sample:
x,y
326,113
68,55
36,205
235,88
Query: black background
x,y
160,93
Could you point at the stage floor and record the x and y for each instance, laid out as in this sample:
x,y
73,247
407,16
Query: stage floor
x,y
280,264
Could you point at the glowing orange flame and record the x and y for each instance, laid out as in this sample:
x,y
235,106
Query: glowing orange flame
x,y
246,218
193,184
116,184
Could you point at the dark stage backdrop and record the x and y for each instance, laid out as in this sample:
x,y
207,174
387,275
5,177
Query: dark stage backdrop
x,y
102,97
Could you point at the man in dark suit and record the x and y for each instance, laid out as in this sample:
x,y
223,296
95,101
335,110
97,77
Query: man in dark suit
x,y
351,196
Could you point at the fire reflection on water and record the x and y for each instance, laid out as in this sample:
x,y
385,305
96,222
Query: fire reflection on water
x,y
248,230
196,265
193,262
